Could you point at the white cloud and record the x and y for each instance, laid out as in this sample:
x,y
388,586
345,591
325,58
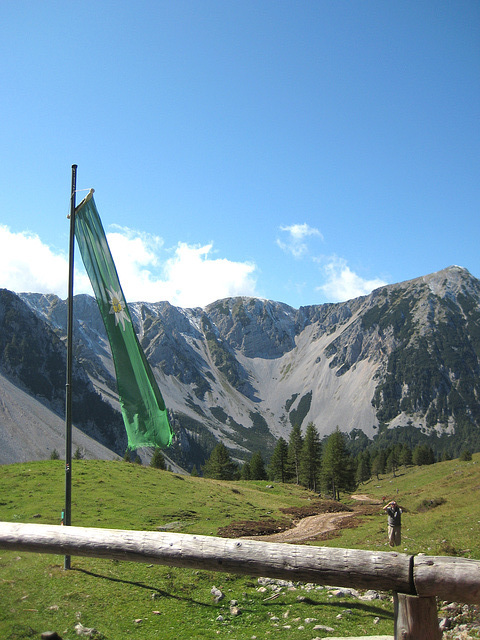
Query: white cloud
x,y
194,279
295,243
344,284
189,277
136,257
28,265
186,276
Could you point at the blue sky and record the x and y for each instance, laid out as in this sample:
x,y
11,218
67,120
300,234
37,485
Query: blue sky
x,y
302,151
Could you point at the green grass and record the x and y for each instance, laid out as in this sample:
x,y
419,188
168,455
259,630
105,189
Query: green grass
x,y
147,602
118,495
450,528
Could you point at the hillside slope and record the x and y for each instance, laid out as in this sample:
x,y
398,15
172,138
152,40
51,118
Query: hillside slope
x,y
31,431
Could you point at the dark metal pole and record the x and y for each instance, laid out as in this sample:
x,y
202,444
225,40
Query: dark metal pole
x,y
67,519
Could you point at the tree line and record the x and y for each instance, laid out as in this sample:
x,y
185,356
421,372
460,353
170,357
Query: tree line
x,y
321,466
331,465
324,465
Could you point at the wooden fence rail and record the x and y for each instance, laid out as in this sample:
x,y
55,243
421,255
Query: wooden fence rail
x,y
321,565
415,580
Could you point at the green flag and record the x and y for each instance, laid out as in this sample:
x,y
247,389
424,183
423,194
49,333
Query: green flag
x,y
143,408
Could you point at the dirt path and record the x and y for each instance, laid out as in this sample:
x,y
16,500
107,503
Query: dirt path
x,y
307,528
313,526
362,497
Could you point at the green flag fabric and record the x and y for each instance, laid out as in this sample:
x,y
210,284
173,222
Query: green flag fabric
x,y
143,408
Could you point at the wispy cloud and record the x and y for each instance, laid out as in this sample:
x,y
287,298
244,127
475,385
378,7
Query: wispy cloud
x,y
341,283
186,275
296,236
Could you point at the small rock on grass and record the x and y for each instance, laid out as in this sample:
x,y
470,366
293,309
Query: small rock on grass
x,y
85,631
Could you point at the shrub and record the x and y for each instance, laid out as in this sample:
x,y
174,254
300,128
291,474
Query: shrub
x,y
426,505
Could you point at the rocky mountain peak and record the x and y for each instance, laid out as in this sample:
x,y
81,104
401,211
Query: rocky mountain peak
x,y
244,370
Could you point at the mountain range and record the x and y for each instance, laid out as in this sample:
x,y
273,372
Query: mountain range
x,y
400,364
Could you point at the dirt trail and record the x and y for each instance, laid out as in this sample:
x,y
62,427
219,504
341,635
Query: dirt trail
x,y
362,497
314,526
307,528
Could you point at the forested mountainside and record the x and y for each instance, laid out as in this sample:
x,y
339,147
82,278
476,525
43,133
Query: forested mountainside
x,y
401,364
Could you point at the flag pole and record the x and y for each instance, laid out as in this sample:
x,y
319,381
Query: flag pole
x,y
67,515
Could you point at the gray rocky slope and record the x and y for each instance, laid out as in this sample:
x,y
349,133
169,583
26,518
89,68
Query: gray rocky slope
x,y
243,370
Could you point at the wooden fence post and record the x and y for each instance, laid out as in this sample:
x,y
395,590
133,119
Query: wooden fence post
x,y
415,617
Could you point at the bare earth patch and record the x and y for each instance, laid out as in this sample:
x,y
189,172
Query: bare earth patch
x,y
309,528
362,497
319,521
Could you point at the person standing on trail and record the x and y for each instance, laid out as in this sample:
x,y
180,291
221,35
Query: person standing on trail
x,y
394,512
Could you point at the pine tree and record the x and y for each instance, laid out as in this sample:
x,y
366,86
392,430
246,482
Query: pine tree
x,y
423,454
405,456
158,461
338,473
364,469
245,473
257,467
78,455
278,467
295,444
310,462
378,464
392,462
219,465
446,455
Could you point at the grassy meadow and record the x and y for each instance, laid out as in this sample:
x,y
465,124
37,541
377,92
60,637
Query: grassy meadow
x,y
128,600
441,505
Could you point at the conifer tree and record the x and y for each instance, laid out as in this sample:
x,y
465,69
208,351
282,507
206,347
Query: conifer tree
x,y
337,466
378,464
364,469
257,467
245,473
219,465
405,456
158,461
392,463
310,461
295,444
446,455
78,455
278,467
423,454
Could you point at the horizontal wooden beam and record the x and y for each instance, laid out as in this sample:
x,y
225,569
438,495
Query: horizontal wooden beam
x,y
449,578
387,571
